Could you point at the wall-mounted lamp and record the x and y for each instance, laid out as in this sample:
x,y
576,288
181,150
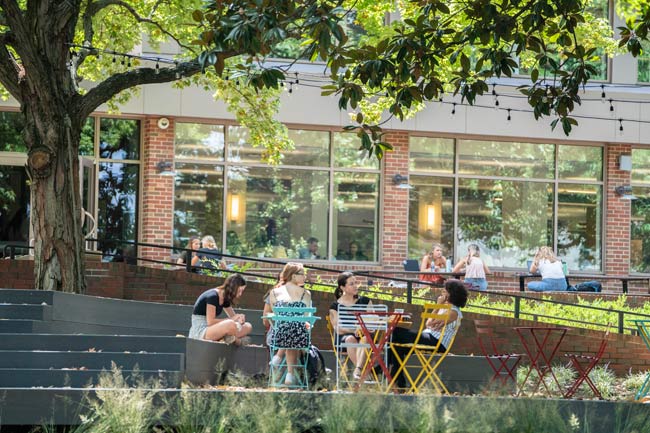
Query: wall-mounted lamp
x,y
401,181
625,162
165,168
431,217
235,208
625,192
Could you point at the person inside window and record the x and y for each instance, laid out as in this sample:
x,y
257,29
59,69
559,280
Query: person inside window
x,y
475,268
208,256
456,295
311,252
433,262
550,267
354,253
205,322
192,244
347,294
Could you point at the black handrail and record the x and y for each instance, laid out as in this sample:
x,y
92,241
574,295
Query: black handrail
x,y
368,274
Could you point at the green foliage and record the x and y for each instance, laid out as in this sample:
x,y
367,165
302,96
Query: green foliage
x,y
437,47
548,312
119,408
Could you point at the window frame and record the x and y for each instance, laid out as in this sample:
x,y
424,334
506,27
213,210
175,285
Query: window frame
x,y
555,181
331,169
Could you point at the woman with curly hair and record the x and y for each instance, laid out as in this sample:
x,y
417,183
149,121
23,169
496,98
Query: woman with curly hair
x,y
456,295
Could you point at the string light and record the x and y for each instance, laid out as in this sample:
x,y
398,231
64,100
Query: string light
x,y
620,127
509,116
496,100
321,79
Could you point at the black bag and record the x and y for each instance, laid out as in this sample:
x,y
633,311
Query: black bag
x,y
316,373
589,286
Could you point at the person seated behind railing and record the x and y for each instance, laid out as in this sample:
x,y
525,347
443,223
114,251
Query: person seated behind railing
x,y
455,294
289,292
433,261
192,244
205,322
209,257
553,278
347,294
475,268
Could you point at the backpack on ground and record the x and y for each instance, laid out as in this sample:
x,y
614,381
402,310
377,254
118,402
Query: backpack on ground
x,y
589,286
316,372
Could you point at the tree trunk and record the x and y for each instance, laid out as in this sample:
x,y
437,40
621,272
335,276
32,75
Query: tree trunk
x,y
52,138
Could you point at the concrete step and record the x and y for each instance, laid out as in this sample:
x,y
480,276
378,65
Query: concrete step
x,y
36,378
27,359
105,343
34,297
25,311
63,327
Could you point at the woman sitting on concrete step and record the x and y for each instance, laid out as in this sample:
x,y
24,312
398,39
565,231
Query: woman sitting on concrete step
x,y
207,308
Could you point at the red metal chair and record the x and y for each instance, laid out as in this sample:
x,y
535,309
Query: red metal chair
x,y
583,365
499,361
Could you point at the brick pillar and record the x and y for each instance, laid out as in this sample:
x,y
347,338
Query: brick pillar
x,y
157,191
617,221
394,246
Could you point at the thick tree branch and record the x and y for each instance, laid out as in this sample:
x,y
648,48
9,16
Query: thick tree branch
x,y
119,82
94,7
10,72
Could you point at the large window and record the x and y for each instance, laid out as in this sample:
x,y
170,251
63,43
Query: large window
x,y
640,218
511,198
325,189
118,187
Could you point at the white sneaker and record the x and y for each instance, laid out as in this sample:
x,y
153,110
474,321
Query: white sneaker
x,y
289,379
276,361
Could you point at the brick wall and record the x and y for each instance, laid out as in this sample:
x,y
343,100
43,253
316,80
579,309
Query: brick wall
x,y
394,246
157,191
122,281
617,220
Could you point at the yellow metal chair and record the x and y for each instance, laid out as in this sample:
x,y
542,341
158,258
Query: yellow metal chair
x,y
341,359
425,355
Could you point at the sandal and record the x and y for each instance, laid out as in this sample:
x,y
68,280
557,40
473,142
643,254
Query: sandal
x,y
356,374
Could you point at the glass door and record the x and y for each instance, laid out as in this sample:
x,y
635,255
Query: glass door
x,y
14,202
88,188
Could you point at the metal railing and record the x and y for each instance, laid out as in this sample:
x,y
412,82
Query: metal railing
x,y
409,284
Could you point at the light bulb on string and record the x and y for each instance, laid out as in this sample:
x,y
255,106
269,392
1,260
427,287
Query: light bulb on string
x,y
602,94
611,106
128,63
496,101
494,89
297,80
123,61
453,110
509,116
290,87
620,126
157,67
